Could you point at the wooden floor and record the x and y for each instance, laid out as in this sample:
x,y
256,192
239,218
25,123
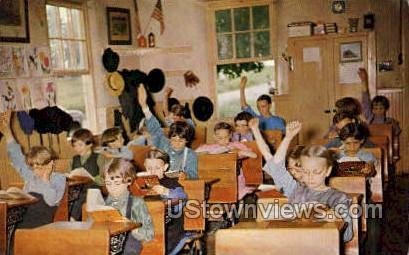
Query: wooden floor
x,y
389,235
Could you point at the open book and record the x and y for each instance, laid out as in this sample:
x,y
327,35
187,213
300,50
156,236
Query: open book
x,y
14,193
98,211
79,172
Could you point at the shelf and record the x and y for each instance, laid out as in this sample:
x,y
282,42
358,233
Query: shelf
x,y
140,52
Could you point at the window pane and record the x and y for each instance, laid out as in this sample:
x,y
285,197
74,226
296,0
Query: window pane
x,y
223,21
71,93
243,45
261,79
262,44
52,21
66,46
261,17
225,46
79,54
77,24
64,22
56,51
241,19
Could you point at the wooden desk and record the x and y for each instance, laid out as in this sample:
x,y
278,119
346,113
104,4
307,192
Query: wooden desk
x,y
74,238
301,237
267,201
11,213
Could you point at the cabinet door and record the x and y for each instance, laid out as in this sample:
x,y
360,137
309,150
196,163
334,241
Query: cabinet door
x,y
309,85
350,53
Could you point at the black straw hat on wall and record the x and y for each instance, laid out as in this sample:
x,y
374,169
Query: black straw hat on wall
x,y
203,108
110,60
156,80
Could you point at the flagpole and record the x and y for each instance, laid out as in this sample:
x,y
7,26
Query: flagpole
x,y
149,22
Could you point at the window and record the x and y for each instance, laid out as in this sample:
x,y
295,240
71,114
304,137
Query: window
x,y
243,32
66,34
242,46
69,58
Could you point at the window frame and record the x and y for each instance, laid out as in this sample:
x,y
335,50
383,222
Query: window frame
x,y
87,75
212,44
83,9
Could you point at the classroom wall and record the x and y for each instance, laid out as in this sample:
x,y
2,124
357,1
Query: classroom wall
x,y
182,47
184,44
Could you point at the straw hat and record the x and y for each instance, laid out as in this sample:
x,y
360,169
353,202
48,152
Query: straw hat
x,y
115,84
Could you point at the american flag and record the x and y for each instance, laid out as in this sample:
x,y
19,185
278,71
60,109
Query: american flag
x,y
158,15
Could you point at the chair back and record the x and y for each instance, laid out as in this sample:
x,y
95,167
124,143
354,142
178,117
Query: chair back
x,y
252,167
195,190
223,167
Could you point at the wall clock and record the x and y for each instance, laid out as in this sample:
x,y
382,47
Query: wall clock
x,y
338,6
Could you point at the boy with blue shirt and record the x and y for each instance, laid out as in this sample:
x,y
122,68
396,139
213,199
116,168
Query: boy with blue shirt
x,y
268,121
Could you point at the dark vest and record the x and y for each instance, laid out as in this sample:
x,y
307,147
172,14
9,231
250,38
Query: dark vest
x,y
90,164
37,214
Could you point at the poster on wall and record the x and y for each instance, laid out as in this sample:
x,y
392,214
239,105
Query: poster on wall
x,y
49,92
24,90
9,95
6,63
37,96
39,61
348,73
20,66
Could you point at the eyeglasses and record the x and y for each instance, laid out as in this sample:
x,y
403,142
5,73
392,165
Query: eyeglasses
x,y
177,139
114,180
314,171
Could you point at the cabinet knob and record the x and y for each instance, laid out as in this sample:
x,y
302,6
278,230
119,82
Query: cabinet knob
x,y
327,111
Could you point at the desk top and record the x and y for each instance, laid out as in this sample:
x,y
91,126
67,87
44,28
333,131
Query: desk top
x,y
289,224
18,202
114,227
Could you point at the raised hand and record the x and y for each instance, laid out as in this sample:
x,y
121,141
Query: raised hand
x,y
142,96
254,123
363,74
168,91
293,128
243,82
5,123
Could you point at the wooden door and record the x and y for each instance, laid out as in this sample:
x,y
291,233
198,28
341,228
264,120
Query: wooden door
x,y
349,53
309,85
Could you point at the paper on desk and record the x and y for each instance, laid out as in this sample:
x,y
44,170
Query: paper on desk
x,y
97,209
14,193
80,171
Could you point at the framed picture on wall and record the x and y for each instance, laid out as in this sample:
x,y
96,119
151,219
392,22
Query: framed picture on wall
x,y
14,26
119,26
350,52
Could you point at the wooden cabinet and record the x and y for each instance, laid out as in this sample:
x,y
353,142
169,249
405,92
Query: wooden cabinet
x,y
318,77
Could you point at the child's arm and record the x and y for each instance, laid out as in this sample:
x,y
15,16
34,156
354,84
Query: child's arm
x,y
166,95
243,150
366,98
275,166
152,124
176,193
292,129
243,101
13,148
141,215
191,166
262,146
